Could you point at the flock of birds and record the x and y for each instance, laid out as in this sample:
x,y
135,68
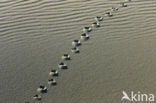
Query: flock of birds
x,y
75,43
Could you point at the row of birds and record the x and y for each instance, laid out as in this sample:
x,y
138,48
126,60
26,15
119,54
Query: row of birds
x,y
84,36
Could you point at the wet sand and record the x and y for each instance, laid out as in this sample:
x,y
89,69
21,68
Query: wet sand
x,y
120,54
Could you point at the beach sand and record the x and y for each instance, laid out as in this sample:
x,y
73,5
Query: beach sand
x,y
120,54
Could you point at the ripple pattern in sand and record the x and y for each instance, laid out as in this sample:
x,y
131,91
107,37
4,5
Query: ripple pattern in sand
x,y
40,21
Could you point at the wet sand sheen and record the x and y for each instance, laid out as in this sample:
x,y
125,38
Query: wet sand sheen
x,y
33,36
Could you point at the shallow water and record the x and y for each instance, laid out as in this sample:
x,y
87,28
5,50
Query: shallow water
x,y
120,55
